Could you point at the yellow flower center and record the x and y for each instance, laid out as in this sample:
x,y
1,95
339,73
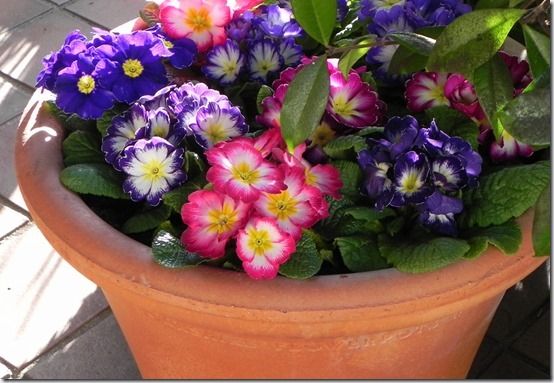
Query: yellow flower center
x,y
132,68
410,182
259,241
154,170
282,205
216,133
244,173
168,44
86,84
229,68
198,19
341,106
322,134
311,178
222,220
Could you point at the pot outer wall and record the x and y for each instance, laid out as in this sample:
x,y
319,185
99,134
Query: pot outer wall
x,y
213,323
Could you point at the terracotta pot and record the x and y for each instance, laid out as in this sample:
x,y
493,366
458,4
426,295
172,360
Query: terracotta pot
x,y
213,323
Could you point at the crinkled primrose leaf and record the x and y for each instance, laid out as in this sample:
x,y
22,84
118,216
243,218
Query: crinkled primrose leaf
x,y
168,251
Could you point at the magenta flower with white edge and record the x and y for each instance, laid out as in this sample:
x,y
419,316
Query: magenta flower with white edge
x,y
507,148
153,167
239,170
263,247
271,108
353,102
292,208
215,124
224,63
212,219
202,21
426,90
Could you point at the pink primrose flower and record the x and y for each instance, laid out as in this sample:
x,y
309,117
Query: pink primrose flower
x,y
292,208
426,90
239,170
462,97
263,247
212,219
507,148
202,21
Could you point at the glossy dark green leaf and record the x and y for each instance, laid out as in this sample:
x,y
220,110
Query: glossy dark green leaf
x,y
305,103
542,224
417,43
317,17
471,40
351,57
538,50
265,91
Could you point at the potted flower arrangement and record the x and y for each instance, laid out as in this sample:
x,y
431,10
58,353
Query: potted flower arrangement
x,y
336,169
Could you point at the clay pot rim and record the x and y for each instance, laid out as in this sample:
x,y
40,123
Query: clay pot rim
x,y
113,258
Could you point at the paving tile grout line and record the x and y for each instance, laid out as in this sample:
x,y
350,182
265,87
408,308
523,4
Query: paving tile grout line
x,y
88,325
15,232
11,367
18,84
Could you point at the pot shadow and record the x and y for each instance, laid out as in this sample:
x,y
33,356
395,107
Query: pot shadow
x,y
88,347
517,322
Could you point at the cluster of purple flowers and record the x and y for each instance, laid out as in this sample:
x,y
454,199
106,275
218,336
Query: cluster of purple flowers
x,y
390,16
259,45
420,167
88,77
144,141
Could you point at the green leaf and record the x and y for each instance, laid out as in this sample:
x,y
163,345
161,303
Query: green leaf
x,y
368,214
316,17
351,176
336,212
505,194
342,146
305,103
360,254
367,77
406,60
351,57
177,197
415,42
538,50
445,117
413,257
541,224
515,3
471,40
369,130
494,88
149,13
104,122
305,262
146,220
485,4
82,147
95,179
505,237
265,91
168,251
527,117
541,82
194,165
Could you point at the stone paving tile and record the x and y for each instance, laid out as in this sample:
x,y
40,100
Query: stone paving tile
x,y
107,13
10,220
4,371
488,351
60,2
535,342
8,186
19,12
23,48
43,298
519,302
100,353
508,366
12,100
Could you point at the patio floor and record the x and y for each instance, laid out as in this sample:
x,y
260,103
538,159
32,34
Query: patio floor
x,y
56,324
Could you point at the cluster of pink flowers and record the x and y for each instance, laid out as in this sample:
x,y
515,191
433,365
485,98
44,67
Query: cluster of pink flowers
x,y
352,102
429,89
261,196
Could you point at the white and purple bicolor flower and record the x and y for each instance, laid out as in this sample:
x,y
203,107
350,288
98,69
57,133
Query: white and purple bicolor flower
x,y
215,124
438,211
124,130
160,125
448,173
153,167
411,173
377,168
224,63
402,134
264,60
290,51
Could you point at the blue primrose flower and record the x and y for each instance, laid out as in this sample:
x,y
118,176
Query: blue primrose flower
x,y
424,13
390,21
183,51
276,22
438,211
224,63
124,130
79,87
411,173
264,60
152,168
140,70
369,7
377,167
215,124
239,28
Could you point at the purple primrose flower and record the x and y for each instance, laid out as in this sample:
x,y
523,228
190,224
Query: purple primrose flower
x,y
224,63
215,124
